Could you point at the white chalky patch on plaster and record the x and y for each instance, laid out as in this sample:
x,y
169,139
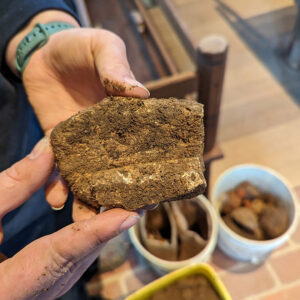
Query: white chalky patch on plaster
x,y
125,179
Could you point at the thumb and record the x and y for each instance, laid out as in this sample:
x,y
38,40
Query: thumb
x,y
113,67
22,179
80,239
49,266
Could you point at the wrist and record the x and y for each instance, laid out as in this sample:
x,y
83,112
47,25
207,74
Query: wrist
x,y
43,17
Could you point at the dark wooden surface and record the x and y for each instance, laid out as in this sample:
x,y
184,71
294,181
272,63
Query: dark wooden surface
x,y
170,40
211,60
115,16
209,156
177,85
156,37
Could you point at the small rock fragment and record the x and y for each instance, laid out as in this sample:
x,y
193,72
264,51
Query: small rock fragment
x,y
246,218
241,231
230,202
274,221
247,190
257,205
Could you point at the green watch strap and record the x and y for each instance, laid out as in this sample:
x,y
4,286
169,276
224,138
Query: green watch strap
x,y
34,40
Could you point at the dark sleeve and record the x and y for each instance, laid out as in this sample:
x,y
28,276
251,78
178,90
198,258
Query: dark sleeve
x,y
14,14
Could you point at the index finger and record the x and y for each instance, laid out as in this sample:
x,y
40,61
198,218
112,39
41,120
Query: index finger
x,y
113,68
25,177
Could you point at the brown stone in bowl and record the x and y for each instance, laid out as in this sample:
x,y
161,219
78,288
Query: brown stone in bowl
x,y
129,152
274,220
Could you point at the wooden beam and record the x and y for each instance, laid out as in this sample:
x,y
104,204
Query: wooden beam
x,y
213,154
171,40
156,37
177,85
211,60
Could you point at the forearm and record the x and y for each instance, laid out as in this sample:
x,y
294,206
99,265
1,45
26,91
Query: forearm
x,y
42,17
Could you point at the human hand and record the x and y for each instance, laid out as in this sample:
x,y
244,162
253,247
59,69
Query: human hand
x,y
76,68
49,266
72,71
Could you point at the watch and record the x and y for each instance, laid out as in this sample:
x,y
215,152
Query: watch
x,y
34,40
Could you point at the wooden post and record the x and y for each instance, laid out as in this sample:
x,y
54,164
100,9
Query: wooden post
x,y
211,59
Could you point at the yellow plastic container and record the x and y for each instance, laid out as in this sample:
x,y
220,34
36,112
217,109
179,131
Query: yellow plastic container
x,y
170,278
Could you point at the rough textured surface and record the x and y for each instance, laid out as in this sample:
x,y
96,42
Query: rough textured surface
x,y
189,288
128,152
274,221
254,214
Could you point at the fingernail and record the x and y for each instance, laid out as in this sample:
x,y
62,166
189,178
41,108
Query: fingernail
x,y
57,208
140,212
39,148
135,83
151,206
130,221
103,209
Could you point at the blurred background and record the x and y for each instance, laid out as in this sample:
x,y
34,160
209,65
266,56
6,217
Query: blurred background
x,y
242,60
